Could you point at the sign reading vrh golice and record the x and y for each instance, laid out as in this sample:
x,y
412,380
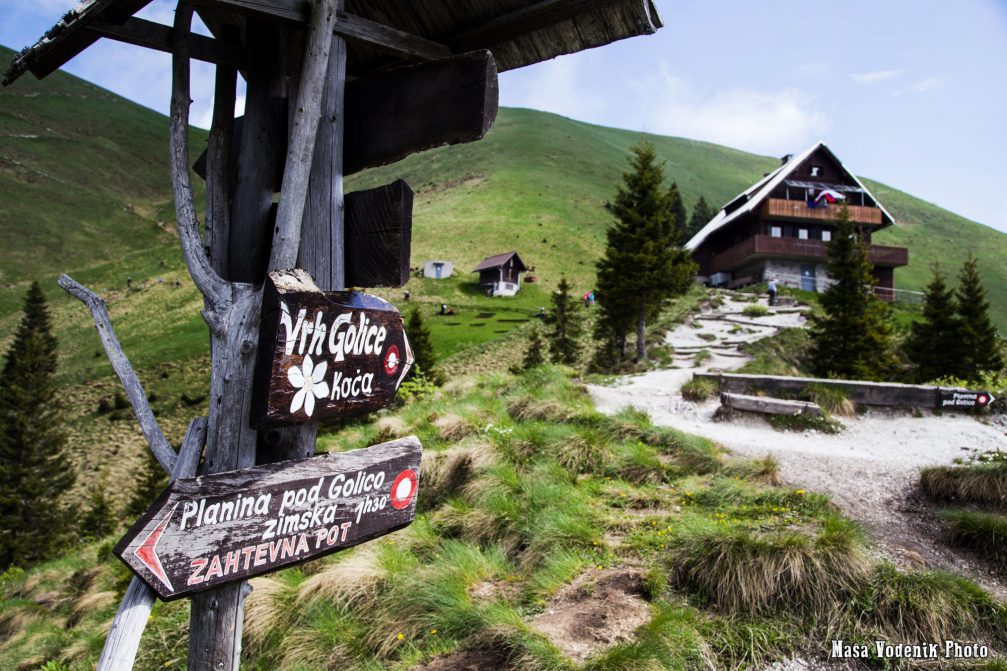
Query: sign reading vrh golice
x,y
324,354
214,529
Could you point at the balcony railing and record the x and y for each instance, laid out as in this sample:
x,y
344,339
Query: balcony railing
x,y
795,248
798,209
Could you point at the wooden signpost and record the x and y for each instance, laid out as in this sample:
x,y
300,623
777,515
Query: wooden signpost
x,y
324,354
207,531
331,88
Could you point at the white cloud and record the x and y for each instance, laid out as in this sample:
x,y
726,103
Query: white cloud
x,y
875,77
560,86
756,120
926,84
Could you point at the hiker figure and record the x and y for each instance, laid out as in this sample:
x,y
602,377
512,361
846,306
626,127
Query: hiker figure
x,y
772,291
444,308
405,296
587,299
590,297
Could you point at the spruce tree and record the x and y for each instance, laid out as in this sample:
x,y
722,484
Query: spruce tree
x,y
423,349
97,521
533,356
935,345
152,482
702,213
643,265
34,471
853,339
565,326
979,340
677,207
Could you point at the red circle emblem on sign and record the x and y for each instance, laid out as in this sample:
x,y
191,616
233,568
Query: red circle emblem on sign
x,y
983,399
392,360
404,489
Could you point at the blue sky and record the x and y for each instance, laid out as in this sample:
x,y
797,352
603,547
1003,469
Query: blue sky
x,y
913,94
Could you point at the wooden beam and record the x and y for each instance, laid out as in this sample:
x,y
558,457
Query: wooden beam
x,y
523,21
348,26
393,115
889,394
378,233
151,35
769,406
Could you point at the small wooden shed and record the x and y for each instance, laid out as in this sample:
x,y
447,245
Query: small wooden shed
x,y
500,275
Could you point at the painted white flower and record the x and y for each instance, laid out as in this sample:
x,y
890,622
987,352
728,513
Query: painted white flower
x,y
309,379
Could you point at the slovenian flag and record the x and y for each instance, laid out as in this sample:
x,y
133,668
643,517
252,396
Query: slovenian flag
x,y
828,196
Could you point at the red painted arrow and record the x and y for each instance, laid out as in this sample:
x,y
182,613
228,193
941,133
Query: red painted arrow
x,y
147,552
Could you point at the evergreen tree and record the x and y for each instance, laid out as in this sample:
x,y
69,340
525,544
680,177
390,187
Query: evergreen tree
x,y
34,471
979,340
152,482
565,326
680,219
97,520
702,213
533,355
643,265
853,339
935,344
423,349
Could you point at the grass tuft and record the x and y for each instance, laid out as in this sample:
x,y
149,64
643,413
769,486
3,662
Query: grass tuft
x,y
980,531
699,389
777,570
983,483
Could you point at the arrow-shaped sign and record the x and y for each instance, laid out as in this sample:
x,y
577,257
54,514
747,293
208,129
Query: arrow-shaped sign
x,y
963,399
206,531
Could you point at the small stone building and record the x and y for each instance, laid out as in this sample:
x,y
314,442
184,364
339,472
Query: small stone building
x,y
438,270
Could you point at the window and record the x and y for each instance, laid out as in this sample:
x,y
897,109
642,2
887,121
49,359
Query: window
x,y
776,231
802,233
816,171
826,236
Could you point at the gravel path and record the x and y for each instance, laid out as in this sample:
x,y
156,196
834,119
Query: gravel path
x,y
870,469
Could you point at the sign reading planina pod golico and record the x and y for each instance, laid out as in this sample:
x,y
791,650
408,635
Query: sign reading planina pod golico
x,y
324,354
206,531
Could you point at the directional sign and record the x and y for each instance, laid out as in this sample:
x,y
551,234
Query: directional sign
x,y
214,529
963,399
324,354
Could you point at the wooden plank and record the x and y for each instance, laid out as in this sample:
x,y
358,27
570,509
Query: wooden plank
x,y
769,406
404,111
205,532
378,235
259,158
151,35
324,354
393,115
134,611
348,26
886,394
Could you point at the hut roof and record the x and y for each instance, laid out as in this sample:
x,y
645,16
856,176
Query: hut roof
x,y
517,32
497,261
752,197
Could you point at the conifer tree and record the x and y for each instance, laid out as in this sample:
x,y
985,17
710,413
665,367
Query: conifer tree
x,y
34,471
565,326
423,349
979,340
533,356
853,339
677,207
702,213
152,482
643,265
935,345
97,521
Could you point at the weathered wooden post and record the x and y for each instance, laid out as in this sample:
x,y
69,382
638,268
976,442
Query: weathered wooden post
x,y
423,76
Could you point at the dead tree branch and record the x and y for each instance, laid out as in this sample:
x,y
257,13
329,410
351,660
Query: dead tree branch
x,y
300,151
130,382
208,282
131,619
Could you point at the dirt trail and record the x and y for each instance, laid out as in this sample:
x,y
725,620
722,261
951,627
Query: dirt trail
x,y
870,469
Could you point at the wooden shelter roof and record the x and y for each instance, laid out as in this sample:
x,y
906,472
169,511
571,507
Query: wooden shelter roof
x,y
382,33
498,261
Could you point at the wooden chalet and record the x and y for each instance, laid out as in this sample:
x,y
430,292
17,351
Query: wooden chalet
x,y
500,275
780,226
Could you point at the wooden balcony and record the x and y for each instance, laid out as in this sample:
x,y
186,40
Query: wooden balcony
x,y
762,246
778,208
